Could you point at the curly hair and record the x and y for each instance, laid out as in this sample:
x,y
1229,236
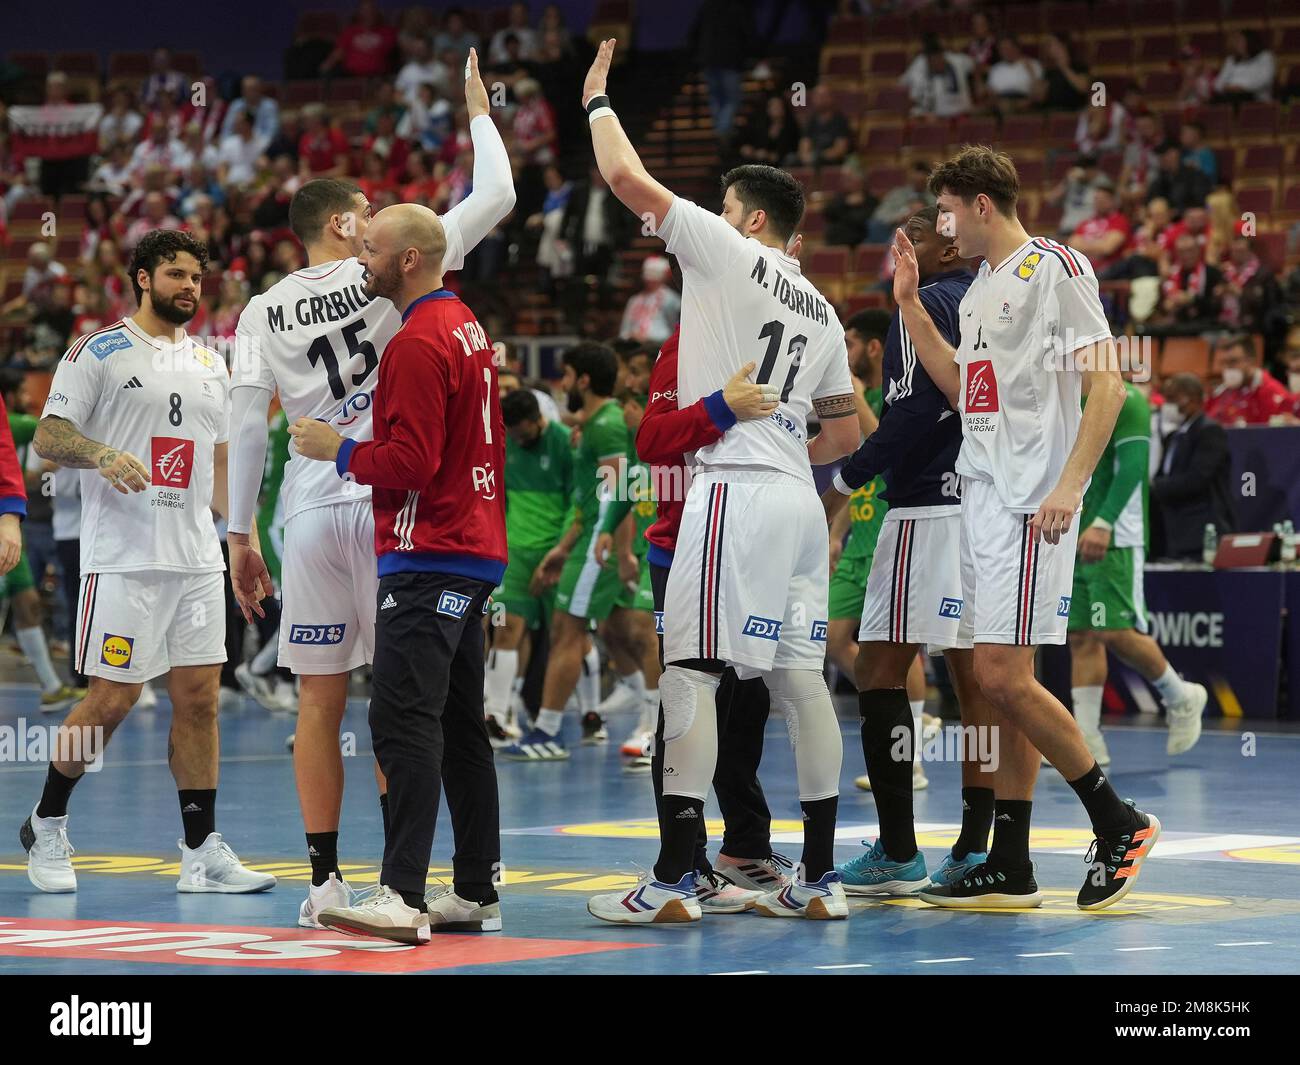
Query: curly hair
x,y
160,244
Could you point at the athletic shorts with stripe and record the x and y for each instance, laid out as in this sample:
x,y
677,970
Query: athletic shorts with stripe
x,y
329,578
132,627
1108,594
588,589
914,589
1014,591
749,579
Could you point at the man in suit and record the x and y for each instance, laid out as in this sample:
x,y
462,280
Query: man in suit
x,y
1190,490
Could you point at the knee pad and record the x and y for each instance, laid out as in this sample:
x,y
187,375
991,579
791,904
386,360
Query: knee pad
x,y
690,731
814,729
682,691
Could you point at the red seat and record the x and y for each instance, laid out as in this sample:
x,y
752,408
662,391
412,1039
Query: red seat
x,y
868,258
74,63
976,130
887,139
1157,48
848,29
1258,118
1153,13
887,64
1271,249
881,179
1261,160
843,65
890,98
829,261
1185,355
1021,129
1258,200
929,137
865,301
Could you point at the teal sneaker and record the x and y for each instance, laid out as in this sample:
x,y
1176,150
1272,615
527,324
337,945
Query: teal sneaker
x,y
872,873
954,869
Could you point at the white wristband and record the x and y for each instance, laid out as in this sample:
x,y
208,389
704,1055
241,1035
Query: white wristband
x,y
840,486
600,112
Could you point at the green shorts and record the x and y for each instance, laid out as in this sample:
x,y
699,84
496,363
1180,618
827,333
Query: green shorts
x,y
643,597
848,589
1108,594
18,579
513,593
587,589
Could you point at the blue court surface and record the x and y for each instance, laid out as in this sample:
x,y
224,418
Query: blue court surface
x,y
1220,894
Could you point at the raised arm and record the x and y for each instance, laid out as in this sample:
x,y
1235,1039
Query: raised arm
x,y
935,353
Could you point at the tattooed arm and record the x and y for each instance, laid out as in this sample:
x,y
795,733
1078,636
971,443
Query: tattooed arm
x,y
839,435
58,440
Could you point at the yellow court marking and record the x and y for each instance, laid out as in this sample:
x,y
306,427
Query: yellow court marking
x,y
1287,854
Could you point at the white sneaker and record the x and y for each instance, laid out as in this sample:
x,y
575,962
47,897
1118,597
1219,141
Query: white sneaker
x,y
822,901
214,867
621,698
650,902
755,874
382,914
285,695
259,688
717,895
639,744
148,698
1097,746
930,727
333,894
642,763
448,912
919,780
229,700
49,854
1184,719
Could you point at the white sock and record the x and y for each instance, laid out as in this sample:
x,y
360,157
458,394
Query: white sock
x,y
264,661
498,679
1169,685
918,708
589,682
635,681
549,721
32,641
650,710
1087,708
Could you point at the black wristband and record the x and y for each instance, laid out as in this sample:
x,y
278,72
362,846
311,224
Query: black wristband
x,y
597,101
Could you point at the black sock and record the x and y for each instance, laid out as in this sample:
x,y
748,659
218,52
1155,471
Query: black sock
x,y
54,798
976,820
1109,813
887,718
198,814
323,852
819,837
481,892
1010,851
679,825
415,900
383,810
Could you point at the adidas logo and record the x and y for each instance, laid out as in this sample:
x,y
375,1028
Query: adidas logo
x,y
133,383
688,814
1100,782
1003,817
192,808
389,602
312,852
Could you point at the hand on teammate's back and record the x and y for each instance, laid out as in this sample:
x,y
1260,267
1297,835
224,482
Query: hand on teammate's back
x,y
476,94
907,276
746,399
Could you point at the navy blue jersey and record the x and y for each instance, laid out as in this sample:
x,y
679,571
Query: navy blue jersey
x,y
916,445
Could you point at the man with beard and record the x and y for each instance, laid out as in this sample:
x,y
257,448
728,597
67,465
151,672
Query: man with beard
x,y
152,597
436,467
316,338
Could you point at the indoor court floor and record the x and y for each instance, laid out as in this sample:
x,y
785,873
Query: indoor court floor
x,y
1220,894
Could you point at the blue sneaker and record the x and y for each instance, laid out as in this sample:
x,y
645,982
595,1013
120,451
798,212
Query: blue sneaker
x,y
953,869
872,873
536,746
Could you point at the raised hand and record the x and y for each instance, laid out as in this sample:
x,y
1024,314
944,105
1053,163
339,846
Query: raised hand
x,y
907,275
595,83
476,94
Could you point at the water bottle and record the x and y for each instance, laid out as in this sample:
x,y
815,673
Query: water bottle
x,y
1210,544
1288,542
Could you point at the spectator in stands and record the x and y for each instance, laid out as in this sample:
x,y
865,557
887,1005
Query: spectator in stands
x,y
375,180
849,211
389,101
428,119
982,47
554,255
51,325
365,47
1250,292
421,66
1197,78
231,299
827,136
198,181
1065,84
652,314
1248,72
113,175
1100,129
1195,151
773,136
159,149
552,21
91,310
263,108
455,39
1195,222
163,81
1103,238
1190,489
595,226
1074,193
523,33
195,150
939,81
97,226
322,148
1011,79
109,272
40,279
1291,360
121,122
240,151
422,186
533,125
720,41
1191,295
1182,185
155,216
1224,224
899,204
1248,394
1140,161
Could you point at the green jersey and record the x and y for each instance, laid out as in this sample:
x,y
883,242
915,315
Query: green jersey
x,y
1118,492
539,484
866,508
605,436
270,512
644,509
23,427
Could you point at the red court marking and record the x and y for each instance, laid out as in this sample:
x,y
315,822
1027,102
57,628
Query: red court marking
x,y
155,943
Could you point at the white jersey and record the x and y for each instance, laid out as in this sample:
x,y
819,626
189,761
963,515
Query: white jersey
x,y
1020,323
745,302
168,405
316,338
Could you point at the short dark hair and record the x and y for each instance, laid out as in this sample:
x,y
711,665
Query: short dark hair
x,y
160,244
1184,384
626,347
869,324
598,362
313,204
1238,340
520,406
11,381
765,188
976,169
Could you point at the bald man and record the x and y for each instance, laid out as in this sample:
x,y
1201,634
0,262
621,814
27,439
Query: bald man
x,y
440,534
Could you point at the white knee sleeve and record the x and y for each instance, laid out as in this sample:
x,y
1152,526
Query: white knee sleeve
x,y
690,731
814,730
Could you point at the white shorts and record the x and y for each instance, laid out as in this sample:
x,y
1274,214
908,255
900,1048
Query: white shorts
x,y
914,589
1014,590
330,580
132,627
751,573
